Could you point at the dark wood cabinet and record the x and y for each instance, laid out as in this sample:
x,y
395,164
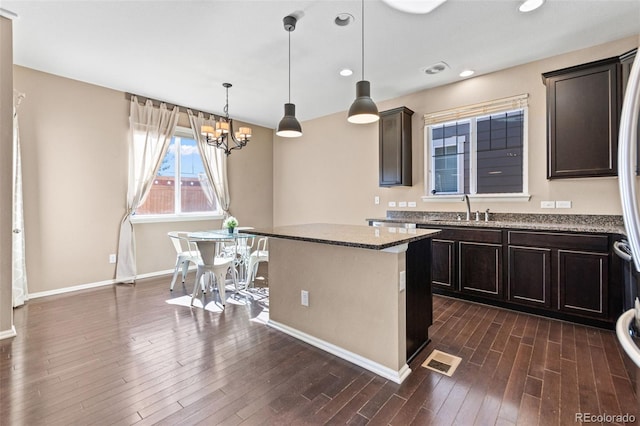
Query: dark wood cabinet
x,y
443,264
481,269
395,147
583,282
573,276
529,276
583,110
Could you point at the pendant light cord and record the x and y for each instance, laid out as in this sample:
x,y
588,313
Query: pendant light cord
x,y
362,39
289,66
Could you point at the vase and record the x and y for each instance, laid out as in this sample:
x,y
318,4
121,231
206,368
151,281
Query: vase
x,y
230,230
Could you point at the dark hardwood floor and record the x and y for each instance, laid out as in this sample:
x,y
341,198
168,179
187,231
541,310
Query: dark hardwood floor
x,y
122,355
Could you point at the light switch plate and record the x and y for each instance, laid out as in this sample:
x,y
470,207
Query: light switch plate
x,y
402,204
376,200
563,204
403,281
547,204
392,203
412,204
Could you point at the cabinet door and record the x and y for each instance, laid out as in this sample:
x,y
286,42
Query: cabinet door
x,y
443,264
583,282
583,110
480,267
529,276
395,147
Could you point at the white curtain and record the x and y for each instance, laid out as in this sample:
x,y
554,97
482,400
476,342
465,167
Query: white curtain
x,y
150,131
215,162
19,268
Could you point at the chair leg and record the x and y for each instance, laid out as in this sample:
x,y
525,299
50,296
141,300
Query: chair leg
x,y
220,282
251,274
175,275
185,268
195,285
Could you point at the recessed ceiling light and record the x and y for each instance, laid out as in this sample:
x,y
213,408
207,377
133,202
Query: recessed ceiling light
x,y
414,6
529,5
346,72
435,68
467,73
344,19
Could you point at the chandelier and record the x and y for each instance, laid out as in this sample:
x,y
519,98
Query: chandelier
x,y
223,136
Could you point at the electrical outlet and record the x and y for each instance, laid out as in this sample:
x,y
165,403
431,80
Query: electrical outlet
x,y
563,204
376,200
392,203
547,204
112,258
304,298
402,204
412,204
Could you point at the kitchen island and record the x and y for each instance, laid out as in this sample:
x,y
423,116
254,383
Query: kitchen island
x,y
368,291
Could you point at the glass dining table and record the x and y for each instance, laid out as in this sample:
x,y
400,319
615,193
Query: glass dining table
x,y
231,244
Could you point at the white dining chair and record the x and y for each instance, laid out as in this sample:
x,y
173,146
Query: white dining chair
x,y
186,253
213,265
261,254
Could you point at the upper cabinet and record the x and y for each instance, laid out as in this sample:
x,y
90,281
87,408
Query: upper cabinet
x,y
395,147
583,108
583,112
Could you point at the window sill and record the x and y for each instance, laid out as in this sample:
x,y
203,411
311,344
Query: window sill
x,y
476,197
173,218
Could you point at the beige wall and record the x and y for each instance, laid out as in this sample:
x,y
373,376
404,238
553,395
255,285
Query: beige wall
x,y
330,174
354,297
74,141
6,167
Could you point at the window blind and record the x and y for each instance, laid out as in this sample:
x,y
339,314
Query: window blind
x,y
490,107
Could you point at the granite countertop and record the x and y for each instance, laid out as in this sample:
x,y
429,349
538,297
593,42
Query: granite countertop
x,y
540,222
360,236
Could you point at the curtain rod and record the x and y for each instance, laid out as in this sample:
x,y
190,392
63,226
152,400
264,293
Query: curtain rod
x,y
182,108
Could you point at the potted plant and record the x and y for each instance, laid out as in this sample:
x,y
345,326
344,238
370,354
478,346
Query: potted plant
x,y
230,223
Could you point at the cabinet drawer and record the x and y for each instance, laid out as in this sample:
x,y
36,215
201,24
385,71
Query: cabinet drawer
x,y
490,236
561,241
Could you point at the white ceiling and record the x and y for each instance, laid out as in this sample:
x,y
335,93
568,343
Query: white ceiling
x,y
182,51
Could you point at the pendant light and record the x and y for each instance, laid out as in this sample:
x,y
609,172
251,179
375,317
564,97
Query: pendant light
x,y
363,110
289,126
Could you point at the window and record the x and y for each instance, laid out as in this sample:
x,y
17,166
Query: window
x,y
188,198
477,153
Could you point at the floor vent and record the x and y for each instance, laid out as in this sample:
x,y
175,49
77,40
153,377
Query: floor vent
x,y
441,362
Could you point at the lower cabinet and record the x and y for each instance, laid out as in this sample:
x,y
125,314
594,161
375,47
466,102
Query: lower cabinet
x,y
583,282
529,276
562,275
481,269
443,264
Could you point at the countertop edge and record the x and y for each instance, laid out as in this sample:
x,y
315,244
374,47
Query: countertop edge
x,y
405,240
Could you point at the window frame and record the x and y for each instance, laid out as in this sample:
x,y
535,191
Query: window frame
x,y
180,132
473,113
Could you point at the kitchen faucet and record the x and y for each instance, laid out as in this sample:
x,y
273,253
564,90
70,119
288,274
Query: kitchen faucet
x,y
466,198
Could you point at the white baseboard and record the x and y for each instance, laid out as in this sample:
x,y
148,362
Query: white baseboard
x,y
94,285
7,334
374,367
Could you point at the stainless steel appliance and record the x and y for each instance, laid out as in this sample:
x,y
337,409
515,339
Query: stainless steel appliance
x,y
627,324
